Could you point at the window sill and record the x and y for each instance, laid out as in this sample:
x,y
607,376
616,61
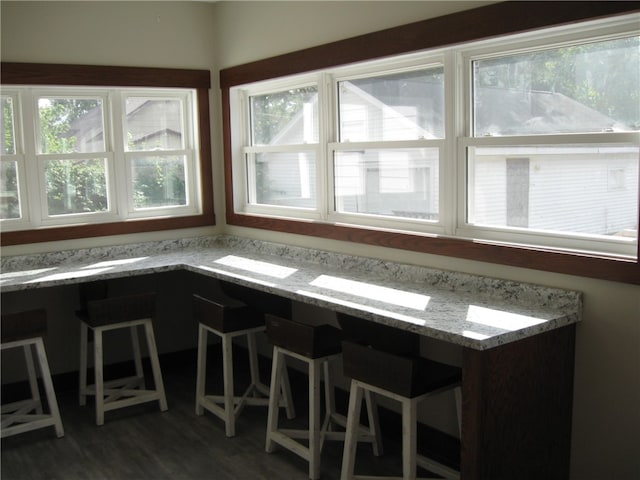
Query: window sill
x,y
571,263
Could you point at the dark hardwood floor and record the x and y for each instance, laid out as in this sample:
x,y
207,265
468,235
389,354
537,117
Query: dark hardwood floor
x,y
141,442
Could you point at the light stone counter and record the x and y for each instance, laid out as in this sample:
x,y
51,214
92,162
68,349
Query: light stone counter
x,y
467,310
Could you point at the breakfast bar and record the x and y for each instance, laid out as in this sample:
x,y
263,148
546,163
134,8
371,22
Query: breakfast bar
x,y
517,339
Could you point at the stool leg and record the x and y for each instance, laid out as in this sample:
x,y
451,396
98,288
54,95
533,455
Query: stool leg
x,y
155,365
314,418
253,360
274,397
227,368
99,378
48,387
351,435
137,357
409,432
84,340
329,393
33,377
374,422
458,394
202,368
286,392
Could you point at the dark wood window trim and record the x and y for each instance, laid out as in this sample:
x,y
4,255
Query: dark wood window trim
x,y
89,75
476,24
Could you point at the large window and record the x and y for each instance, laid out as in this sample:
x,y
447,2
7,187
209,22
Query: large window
x,y
80,155
512,149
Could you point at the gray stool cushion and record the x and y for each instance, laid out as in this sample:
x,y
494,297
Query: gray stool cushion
x,y
311,341
226,316
23,325
408,376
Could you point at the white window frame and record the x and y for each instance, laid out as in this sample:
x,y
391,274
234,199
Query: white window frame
x,y
453,161
243,181
550,38
31,164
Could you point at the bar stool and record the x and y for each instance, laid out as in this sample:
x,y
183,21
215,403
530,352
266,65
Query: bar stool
x,y
130,311
25,329
316,346
398,373
229,320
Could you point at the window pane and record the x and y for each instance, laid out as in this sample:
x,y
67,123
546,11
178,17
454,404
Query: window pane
x,y
285,118
573,189
76,186
69,125
8,146
159,181
285,179
586,88
397,183
10,204
154,124
403,106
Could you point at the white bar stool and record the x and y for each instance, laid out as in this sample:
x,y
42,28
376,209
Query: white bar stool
x,y
406,379
25,329
316,346
229,320
109,314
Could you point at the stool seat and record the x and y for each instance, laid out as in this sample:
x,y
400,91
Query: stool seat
x,y
406,379
228,319
310,341
408,376
22,325
26,329
315,345
107,314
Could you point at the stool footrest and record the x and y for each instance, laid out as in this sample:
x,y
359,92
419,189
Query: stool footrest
x,y
437,467
140,396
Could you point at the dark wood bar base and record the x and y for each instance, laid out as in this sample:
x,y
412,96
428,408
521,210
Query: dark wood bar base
x,y
517,405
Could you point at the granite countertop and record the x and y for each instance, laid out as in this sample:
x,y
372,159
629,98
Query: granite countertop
x,y
468,310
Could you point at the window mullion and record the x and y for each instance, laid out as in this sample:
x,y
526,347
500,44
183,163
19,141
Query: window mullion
x,y
120,188
34,177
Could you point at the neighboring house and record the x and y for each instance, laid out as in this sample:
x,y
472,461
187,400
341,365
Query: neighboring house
x,y
537,188
152,124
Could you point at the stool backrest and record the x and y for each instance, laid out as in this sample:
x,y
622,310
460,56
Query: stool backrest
x,y
378,336
21,325
122,309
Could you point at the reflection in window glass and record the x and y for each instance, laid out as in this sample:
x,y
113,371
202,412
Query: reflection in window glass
x,y
71,125
9,196
284,179
402,106
389,182
76,186
158,181
154,124
285,118
593,87
7,133
587,189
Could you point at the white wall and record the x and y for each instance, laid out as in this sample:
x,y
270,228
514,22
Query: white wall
x,y
606,423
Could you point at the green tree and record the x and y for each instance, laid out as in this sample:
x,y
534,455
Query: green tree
x,y
73,186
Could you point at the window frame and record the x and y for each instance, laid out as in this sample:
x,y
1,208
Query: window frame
x,y
42,76
482,23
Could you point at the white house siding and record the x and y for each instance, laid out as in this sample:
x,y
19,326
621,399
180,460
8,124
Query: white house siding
x,y
582,192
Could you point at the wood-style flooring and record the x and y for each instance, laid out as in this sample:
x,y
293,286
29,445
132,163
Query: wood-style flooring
x,y
140,442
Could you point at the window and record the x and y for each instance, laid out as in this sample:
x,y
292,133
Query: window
x,y
549,128
74,156
519,148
